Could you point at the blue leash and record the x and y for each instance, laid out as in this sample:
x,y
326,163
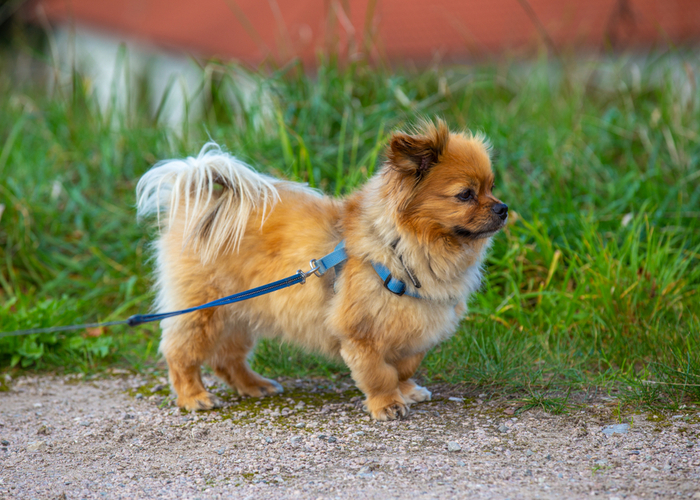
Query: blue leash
x,y
300,277
318,267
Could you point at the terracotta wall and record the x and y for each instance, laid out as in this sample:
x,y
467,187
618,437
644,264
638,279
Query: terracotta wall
x,y
252,30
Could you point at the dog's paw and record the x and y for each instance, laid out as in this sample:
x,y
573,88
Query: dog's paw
x,y
264,387
384,409
392,412
414,393
201,401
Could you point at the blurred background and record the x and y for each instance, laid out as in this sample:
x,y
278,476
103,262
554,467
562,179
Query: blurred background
x,y
592,107
169,40
450,30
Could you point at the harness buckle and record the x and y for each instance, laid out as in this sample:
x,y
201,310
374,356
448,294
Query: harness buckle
x,y
386,285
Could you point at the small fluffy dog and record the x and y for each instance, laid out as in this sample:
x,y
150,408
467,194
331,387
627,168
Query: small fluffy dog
x,y
427,215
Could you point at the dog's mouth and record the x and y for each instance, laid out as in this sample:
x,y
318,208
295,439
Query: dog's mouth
x,y
463,232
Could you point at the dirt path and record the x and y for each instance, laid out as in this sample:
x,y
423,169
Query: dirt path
x,y
110,438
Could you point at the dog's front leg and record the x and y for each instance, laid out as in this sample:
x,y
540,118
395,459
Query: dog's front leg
x,y
406,367
375,377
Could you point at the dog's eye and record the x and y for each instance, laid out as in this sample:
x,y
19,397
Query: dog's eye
x,y
466,195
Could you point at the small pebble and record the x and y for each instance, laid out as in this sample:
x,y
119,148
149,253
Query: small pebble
x,y
503,428
453,446
5,442
616,429
365,472
300,425
457,400
36,446
332,439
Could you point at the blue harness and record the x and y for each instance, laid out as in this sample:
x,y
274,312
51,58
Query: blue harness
x,y
338,256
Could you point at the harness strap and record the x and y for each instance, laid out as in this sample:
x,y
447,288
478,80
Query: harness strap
x,y
392,284
337,256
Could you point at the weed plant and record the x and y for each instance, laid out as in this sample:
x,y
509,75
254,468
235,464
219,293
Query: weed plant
x,y
594,283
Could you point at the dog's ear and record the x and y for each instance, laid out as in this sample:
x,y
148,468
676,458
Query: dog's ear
x,y
415,154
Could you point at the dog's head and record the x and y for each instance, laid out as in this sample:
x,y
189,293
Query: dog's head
x,y
443,183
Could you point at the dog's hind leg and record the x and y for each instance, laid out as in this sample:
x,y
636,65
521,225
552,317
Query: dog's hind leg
x,y
186,344
230,363
411,392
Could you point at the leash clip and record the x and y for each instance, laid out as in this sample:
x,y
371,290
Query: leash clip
x,y
314,270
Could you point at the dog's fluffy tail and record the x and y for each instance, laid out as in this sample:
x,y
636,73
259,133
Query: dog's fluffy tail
x,y
214,219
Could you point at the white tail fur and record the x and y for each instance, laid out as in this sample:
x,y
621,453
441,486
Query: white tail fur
x,y
215,221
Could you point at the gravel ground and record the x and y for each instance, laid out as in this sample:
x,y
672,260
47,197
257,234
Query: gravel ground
x,y
120,437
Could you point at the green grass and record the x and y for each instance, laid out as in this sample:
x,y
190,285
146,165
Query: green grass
x,y
596,284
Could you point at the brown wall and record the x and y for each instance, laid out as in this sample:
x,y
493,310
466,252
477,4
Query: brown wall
x,y
252,30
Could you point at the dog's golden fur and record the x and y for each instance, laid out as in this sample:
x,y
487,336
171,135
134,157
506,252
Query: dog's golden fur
x,y
225,228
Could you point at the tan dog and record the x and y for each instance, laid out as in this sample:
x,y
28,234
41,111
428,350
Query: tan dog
x,y
427,215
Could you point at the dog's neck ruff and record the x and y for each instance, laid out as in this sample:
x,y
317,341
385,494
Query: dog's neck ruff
x,y
338,257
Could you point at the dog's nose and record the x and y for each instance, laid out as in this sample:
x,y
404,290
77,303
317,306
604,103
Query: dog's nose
x,y
500,209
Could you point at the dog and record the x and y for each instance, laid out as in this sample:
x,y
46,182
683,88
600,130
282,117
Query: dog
x,y
427,216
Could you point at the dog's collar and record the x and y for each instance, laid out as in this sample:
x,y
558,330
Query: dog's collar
x,y
338,257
